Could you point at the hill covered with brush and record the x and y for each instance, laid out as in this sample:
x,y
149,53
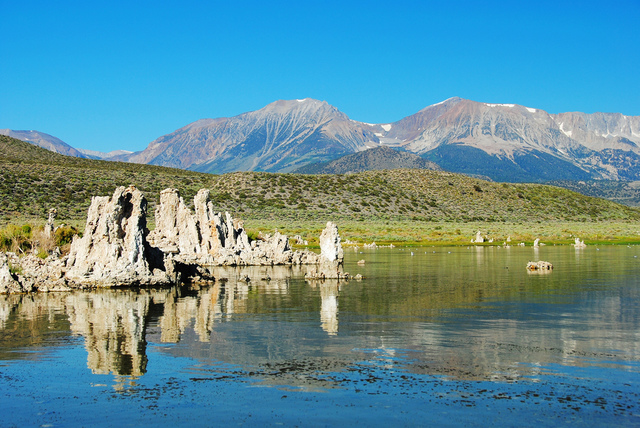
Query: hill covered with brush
x,y
33,180
372,159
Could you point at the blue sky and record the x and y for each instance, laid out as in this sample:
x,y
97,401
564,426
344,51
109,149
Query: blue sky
x,y
108,75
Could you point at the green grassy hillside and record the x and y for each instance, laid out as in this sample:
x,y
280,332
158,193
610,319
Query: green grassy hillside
x,y
409,195
623,192
372,159
33,180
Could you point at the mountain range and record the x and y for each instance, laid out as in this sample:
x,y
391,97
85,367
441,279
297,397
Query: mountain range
x,y
503,142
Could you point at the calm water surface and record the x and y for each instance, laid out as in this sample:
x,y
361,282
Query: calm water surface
x,y
442,336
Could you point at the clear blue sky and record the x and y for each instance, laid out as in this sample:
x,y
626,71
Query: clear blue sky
x,y
108,75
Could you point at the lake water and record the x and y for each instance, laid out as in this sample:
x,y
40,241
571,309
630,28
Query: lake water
x,y
431,336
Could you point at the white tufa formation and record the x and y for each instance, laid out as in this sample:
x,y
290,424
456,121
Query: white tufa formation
x,y
330,247
212,238
8,284
115,251
113,248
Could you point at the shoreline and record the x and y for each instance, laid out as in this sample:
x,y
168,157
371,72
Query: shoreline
x,y
405,233
402,233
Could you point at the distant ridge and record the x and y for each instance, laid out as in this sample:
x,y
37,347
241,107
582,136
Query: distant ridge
x,y
377,158
43,140
94,154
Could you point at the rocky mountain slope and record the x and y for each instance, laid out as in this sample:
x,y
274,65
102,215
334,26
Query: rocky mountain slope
x,y
509,142
377,158
282,136
505,142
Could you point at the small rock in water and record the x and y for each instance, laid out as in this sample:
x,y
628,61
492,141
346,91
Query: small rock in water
x,y
539,265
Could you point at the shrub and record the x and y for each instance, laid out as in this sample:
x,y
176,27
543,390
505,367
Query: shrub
x,y
15,270
252,235
16,239
64,235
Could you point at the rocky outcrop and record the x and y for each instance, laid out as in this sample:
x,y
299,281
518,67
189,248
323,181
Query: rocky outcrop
x,y
113,249
196,237
330,247
176,231
207,237
478,239
45,275
329,264
48,227
539,266
8,283
118,250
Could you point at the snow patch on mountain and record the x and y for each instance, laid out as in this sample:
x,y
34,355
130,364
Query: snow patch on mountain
x,y
441,102
567,133
499,105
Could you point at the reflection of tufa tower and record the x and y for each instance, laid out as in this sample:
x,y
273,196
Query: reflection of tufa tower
x,y
328,305
180,311
113,326
329,308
